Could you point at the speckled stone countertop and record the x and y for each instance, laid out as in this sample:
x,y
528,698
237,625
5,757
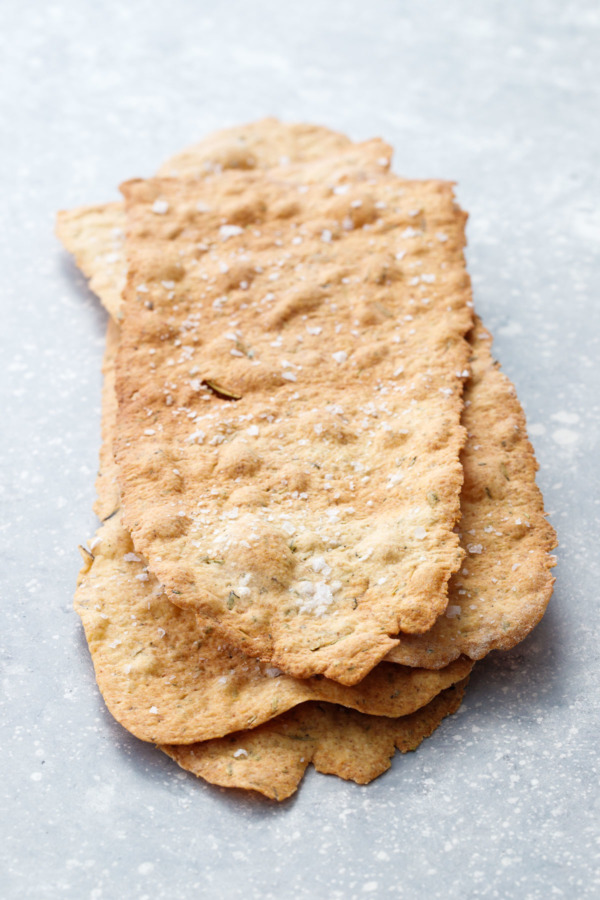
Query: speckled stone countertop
x,y
503,801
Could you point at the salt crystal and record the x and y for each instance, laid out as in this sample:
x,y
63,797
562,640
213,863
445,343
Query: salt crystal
x,y
318,564
227,231
196,437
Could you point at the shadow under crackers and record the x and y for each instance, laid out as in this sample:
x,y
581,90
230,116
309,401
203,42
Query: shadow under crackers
x,y
78,283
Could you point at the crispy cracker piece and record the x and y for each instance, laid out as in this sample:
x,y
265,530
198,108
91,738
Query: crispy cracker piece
x,y
94,234
445,641
272,759
107,488
296,516
166,679
504,586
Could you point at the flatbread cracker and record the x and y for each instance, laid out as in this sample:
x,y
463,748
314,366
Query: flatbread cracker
x,y
95,234
166,679
467,631
272,759
504,586
349,388
107,487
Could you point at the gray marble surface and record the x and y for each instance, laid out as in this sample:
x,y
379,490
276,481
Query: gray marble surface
x,y
503,801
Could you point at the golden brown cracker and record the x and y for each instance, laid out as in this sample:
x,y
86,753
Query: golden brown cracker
x,y
95,235
272,758
166,679
107,488
345,346
101,251
504,585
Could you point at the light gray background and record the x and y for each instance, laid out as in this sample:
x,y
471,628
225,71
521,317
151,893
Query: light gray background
x,y
503,97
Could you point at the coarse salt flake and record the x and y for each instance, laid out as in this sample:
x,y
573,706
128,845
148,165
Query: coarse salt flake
x,y
227,231
340,356
160,207
318,564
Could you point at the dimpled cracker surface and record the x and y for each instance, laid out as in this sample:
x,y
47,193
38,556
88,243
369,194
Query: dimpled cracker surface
x,y
167,679
290,387
272,758
94,234
504,585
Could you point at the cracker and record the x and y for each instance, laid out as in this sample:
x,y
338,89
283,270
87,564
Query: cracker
x,y
466,632
107,488
504,586
272,758
94,234
350,384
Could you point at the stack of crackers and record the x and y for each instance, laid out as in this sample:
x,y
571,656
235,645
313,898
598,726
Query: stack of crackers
x,y
317,494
